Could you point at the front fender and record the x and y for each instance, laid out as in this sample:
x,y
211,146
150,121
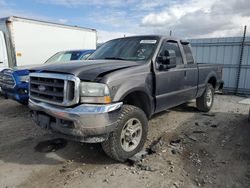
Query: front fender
x,y
132,85
141,84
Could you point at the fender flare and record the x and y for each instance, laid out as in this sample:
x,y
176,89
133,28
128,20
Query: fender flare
x,y
138,89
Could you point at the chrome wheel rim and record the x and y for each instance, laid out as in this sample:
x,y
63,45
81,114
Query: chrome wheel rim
x,y
131,134
209,97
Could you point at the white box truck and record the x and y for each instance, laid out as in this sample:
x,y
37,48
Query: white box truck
x,y
26,41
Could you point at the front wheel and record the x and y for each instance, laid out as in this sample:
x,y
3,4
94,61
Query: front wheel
x,y
129,136
205,102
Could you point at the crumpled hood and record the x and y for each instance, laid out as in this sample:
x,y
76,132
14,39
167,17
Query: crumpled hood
x,y
87,70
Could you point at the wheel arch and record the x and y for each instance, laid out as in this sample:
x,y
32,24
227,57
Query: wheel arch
x,y
139,98
212,80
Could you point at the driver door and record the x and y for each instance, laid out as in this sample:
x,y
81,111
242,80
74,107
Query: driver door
x,y
170,83
3,52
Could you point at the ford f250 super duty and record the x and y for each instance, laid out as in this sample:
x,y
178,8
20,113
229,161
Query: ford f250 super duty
x,y
110,97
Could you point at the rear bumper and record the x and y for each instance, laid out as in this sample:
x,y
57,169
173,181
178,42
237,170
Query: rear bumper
x,y
85,123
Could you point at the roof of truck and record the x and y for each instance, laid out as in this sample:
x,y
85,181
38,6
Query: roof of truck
x,y
157,36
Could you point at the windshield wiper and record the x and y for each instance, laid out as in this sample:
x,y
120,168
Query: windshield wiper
x,y
116,58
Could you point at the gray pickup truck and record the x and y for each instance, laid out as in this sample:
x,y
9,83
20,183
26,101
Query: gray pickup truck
x,y
110,97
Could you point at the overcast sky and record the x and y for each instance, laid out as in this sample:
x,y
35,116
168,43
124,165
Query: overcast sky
x,y
116,18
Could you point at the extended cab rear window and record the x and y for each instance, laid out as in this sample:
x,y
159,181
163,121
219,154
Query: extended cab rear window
x,y
188,53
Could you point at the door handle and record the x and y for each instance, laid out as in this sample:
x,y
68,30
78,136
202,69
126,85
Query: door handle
x,y
1,62
185,74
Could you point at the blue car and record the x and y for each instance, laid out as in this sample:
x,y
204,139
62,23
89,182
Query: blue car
x,y
14,82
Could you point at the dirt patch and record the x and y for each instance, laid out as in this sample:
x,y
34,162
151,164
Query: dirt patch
x,y
219,156
188,149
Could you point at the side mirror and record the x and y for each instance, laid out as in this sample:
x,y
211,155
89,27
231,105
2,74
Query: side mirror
x,y
167,60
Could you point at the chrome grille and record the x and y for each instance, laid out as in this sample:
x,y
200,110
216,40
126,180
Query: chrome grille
x,y
7,80
59,89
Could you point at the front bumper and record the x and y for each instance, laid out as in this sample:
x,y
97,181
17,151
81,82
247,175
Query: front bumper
x,y
85,123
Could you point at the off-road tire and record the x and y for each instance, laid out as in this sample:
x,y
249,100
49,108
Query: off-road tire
x,y
112,146
201,102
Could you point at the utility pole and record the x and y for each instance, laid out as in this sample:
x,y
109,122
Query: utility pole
x,y
240,60
170,33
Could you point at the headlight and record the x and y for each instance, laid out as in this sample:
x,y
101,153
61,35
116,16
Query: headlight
x,y
94,93
24,78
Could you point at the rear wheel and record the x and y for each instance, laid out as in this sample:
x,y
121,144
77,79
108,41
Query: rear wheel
x,y
205,102
129,136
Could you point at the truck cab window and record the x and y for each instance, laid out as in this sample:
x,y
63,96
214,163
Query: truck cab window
x,y
171,45
188,53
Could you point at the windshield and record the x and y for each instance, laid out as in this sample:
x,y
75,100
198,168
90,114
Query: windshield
x,y
131,48
65,57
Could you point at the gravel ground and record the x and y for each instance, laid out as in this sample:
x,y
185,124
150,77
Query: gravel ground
x,y
190,149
